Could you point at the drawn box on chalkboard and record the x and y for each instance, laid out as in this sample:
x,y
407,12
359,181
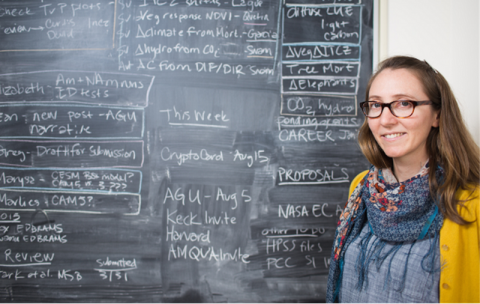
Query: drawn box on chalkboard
x,y
322,23
321,85
321,68
324,2
67,154
72,179
66,26
84,87
69,202
318,105
315,51
62,121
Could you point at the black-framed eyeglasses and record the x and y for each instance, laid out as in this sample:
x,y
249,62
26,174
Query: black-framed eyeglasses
x,y
399,108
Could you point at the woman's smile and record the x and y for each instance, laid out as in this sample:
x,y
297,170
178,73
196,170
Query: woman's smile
x,y
393,135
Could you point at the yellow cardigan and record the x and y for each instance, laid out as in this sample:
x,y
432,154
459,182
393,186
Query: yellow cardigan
x,y
460,251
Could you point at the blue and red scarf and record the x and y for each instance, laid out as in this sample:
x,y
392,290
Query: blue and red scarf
x,y
395,211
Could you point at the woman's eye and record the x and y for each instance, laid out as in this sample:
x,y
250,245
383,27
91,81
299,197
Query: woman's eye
x,y
375,105
404,103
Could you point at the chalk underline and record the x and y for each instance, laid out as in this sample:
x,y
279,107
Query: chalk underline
x,y
121,269
313,183
292,236
261,40
316,125
25,265
196,125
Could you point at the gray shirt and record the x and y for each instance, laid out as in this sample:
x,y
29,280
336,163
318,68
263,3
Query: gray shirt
x,y
420,286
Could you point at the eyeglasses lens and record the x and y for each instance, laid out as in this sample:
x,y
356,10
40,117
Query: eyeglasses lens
x,y
400,108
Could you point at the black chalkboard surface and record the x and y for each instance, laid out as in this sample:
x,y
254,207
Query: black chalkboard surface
x,y
177,150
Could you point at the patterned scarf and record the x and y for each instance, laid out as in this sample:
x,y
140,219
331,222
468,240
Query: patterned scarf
x,y
396,212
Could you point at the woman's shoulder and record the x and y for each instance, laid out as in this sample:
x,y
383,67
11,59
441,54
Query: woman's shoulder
x,y
469,193
470,199
356,181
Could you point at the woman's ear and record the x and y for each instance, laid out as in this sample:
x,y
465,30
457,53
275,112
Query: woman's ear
x,y
436,122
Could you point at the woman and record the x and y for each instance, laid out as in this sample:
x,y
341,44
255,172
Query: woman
x,y
410,231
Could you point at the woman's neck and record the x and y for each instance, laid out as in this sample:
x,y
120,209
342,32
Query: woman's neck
x,y
404,171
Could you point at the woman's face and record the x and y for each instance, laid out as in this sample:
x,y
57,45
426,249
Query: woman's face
x,y
402,139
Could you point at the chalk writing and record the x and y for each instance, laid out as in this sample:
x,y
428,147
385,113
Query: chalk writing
x,y
170,150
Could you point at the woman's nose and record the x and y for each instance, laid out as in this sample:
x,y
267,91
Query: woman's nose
x,y
387,118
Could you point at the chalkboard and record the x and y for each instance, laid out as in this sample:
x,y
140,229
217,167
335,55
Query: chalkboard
x,y
177,150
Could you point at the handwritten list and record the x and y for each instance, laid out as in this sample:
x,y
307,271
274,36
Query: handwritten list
x,y
177,151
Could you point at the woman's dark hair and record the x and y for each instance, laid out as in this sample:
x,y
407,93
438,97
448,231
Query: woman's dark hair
x,y
450,145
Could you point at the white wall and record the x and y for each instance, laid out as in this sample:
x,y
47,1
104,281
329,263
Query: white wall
x,y
446,33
